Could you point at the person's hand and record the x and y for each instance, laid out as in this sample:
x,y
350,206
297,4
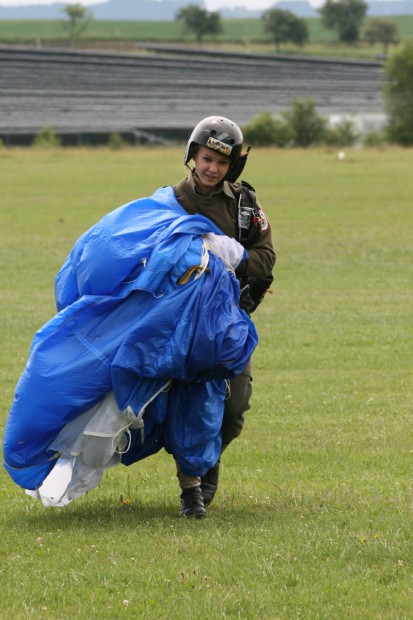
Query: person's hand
x,y
229,250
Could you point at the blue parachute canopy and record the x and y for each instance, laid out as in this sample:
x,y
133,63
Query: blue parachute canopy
x,y
135,309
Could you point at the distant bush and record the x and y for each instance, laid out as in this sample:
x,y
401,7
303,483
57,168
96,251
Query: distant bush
x,y
374,138
266,130
46,138
306,125
299,126
115,141
341,134
398,95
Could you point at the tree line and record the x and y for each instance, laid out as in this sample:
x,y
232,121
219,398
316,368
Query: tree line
x,y
345,17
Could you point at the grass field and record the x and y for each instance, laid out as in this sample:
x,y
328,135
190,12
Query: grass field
x,y
313,518
238,34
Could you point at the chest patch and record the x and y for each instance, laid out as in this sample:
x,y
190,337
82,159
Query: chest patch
x,y
260,220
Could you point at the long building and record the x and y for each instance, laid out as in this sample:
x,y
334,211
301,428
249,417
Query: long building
x,y
163,92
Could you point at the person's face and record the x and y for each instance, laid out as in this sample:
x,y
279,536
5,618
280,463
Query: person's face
x,y
211,167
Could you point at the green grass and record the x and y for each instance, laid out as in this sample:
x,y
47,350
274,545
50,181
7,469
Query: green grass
x,y
313,516
238,35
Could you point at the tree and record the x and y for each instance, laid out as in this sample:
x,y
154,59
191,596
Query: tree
x,y
265,130
381,31
344,16
306,125
284,26
398,95
47,139
342,133
78,18
199,21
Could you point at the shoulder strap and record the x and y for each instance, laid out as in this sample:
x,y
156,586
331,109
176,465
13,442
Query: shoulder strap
x,y
246,208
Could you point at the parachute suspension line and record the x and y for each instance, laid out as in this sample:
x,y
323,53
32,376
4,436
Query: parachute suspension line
x,y
164,388
116,443
135,422
204,262
228,389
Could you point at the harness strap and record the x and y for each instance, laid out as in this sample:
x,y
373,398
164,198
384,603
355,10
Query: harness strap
x,y
247,210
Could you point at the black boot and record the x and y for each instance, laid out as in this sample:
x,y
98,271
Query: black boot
x,y
209,484
192,503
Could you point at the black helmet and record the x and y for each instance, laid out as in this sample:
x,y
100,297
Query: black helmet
x,y
218,134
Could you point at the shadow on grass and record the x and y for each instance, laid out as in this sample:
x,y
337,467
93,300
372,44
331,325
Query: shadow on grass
x,y
109,512
96,514
281,508
104,513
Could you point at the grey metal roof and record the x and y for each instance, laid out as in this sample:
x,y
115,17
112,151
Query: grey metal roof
x,y
83,91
